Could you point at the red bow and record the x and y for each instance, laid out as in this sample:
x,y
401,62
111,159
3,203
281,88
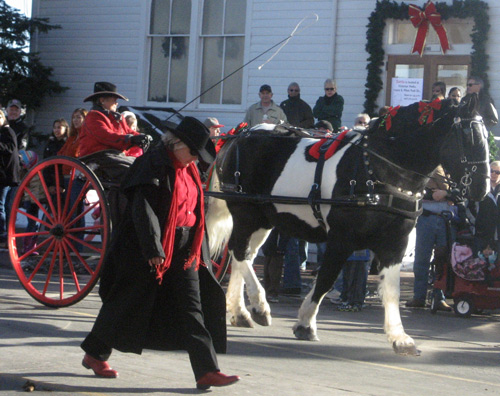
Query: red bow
x,y
420,19
426,111
388,117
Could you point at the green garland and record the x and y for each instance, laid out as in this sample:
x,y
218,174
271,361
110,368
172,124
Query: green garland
x,y
387,9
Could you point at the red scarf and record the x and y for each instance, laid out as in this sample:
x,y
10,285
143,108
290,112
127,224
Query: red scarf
x,y
169,230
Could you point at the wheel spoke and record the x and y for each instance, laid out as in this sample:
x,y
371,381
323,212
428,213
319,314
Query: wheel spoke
x,y
42,244
83,214
79,256
71,266
77,200
51,268
61,270
42,259
84,243
39,204
47,194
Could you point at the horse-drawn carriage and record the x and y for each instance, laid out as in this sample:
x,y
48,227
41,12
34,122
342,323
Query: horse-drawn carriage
x,y
365,194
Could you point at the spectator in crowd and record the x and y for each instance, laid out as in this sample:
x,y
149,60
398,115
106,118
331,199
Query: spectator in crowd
x,y
213,126
28,159
330,106
15,119
486,106
72,146
354,280
9,171
431,236
487,225
131,120
383,111
455,93
273,250
438,90
298,112
362,121
265,111
155,293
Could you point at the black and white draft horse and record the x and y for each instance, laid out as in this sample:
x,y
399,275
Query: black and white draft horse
x,y
370,191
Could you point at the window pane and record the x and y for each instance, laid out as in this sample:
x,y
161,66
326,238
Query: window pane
x,y
212,16
213,49
453,76
457,30
181,16
158,73
233,60
235,17
409,71
160,16
179,68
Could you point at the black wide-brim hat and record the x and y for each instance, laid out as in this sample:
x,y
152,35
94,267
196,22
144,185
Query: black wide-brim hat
x,y
103,88
196,136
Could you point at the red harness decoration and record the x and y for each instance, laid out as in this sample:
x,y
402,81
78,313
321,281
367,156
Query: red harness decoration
x,y
388,117
314,150
420,20
426,110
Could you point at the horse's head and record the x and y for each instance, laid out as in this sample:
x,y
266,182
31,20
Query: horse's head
x,y
464,151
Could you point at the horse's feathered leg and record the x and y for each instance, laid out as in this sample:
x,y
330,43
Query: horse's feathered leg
x,y
235,300
247,237
393,327
305,328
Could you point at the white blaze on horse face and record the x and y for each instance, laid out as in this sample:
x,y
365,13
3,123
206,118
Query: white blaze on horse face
x,y
298,177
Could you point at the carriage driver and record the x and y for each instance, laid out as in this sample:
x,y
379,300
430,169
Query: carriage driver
x,y
106,139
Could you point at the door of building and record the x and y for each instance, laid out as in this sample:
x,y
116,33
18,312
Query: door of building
x,y
452,70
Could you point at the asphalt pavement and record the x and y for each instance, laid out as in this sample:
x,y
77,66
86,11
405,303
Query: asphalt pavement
x,y
39,352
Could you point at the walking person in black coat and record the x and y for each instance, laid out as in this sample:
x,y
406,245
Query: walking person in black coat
x,y
156,292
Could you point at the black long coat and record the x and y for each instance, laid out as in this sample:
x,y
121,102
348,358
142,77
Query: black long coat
x,y
129,290
9,158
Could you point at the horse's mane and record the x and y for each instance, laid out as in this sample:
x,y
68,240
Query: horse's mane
x,y
406,119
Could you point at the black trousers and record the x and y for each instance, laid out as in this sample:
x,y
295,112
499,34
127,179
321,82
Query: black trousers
x,y
181,288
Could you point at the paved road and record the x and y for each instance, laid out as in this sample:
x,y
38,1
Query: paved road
x,y
459,356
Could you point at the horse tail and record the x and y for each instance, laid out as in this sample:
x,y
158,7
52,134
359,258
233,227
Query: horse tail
x,y
218,220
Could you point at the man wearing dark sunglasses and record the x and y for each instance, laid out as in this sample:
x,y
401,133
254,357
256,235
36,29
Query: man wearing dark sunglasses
x,y
486,106
298,112
330,107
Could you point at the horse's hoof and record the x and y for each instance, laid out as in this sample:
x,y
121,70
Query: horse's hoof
x,y
261,318
306,334
410,350
241,321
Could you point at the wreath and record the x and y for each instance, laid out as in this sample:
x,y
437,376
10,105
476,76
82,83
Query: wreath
x,y
387,9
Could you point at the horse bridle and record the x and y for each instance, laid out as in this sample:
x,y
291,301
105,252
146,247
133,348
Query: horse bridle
x,y
470,166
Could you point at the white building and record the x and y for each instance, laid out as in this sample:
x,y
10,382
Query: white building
x,y
164,53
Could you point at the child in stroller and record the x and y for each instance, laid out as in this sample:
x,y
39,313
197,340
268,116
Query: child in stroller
x,y
472,280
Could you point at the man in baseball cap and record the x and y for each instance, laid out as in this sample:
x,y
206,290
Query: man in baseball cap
x,y
213,126
265,111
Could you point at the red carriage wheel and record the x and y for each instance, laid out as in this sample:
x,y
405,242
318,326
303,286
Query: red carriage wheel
x,y
58,231
221,265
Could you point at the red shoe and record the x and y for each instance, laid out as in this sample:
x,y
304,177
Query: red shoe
x,y
216,378
101,369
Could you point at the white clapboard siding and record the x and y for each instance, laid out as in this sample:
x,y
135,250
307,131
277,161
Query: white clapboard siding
x,y
106,40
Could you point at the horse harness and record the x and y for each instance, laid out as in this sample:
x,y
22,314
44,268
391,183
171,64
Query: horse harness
x,y
399,202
